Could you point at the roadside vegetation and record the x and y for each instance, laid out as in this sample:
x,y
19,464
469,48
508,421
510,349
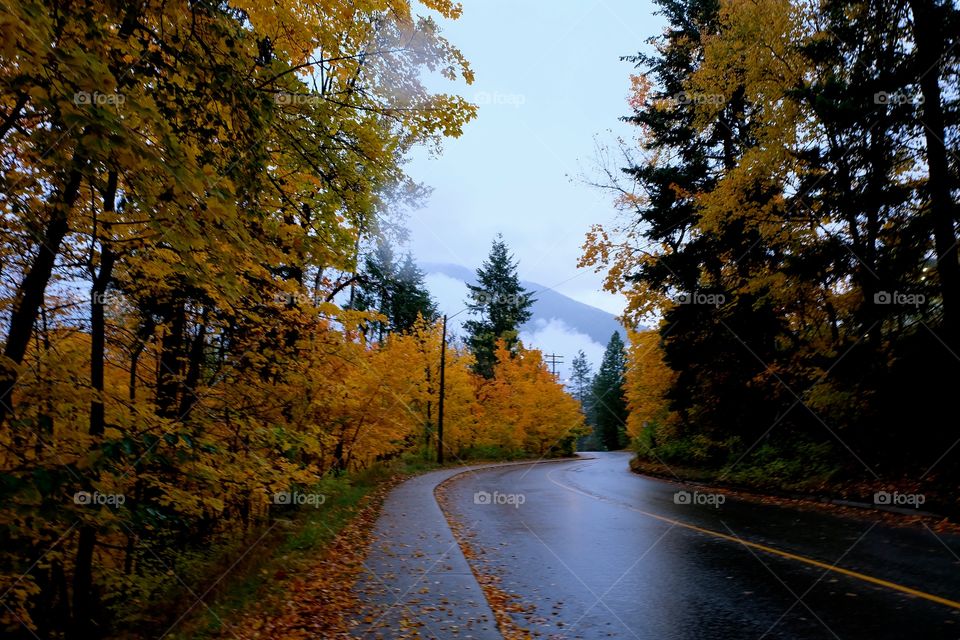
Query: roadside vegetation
x,y
788,237
208,340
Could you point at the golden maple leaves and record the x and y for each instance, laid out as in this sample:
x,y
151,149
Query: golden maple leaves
x,y
250,146
646,383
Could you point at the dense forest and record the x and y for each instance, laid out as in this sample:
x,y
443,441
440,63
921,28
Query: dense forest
x,y
789,227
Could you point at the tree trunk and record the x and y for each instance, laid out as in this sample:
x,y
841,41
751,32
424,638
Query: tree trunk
x,y
98,323
194,368
929,42
171,362
32,289
84,603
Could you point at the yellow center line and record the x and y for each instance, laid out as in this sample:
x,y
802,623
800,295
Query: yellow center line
x,y
771,550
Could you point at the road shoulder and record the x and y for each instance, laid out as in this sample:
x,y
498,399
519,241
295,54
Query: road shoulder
x,y
416,581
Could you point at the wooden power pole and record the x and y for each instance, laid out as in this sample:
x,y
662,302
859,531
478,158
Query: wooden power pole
x,y
443,363
553,360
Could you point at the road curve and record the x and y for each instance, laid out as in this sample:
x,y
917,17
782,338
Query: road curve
x,y
415,581
591,550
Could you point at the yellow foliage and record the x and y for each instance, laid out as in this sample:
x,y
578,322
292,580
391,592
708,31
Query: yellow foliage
x,y
525,407
647,381
249,146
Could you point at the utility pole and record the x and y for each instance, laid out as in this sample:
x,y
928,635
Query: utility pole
x,y
443,363
443,390
553,360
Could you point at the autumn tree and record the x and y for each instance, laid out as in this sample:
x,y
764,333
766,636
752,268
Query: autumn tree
x,y
647,381
780,219
525,408
207,171
464,419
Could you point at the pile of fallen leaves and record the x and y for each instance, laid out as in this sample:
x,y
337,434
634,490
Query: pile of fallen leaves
x,y
319,601
501,602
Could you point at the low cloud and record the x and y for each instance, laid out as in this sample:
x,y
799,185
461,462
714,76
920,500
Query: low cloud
x,y
556,336
549,335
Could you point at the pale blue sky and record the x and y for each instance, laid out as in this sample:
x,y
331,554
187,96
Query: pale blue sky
x,y
550,83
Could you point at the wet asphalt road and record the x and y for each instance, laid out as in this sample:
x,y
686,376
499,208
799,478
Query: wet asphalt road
x,y
595,551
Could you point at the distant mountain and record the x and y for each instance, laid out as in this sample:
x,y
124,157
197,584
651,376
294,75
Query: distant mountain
x,y
548,305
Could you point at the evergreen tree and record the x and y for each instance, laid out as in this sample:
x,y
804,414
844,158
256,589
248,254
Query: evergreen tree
x,y
609,404
792,188
375,284
580,379
580,384
410,297
703,341
500,305
396,291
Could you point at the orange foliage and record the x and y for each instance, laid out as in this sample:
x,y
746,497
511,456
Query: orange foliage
x,y
647,381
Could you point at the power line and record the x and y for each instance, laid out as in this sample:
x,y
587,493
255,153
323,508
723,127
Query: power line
x,y
553,360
